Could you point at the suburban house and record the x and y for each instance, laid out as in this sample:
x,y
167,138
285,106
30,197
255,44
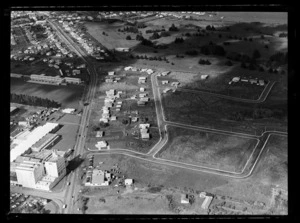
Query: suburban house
x,y
204,76
165,82
184,199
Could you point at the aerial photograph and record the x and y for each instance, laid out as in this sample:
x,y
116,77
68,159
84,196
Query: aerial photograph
x,y
148,112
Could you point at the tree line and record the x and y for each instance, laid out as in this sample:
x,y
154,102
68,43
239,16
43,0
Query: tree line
x,y
33,100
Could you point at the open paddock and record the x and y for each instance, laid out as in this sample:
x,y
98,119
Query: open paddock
x,y
220,151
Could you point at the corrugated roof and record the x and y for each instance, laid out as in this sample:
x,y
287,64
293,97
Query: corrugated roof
x,y
32,138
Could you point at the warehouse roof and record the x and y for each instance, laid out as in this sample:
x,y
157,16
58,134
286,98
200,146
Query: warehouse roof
x,y
31,139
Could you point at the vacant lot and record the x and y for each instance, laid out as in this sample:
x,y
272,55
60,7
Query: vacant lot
x,y
22,67
68,96
210,111
218,151
113,39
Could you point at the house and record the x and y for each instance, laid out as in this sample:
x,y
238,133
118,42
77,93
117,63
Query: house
x,y
143,131
184,199
113,118
143,95
76,72
236,79
128,182
142,80
111,73
144,70
165,82
175,84
202,195
244,80
142,89
99,134
261,82
166,90
101,144
149,71
204,76
206,202
144,99
104,120
145,136
133,97
141,103
144,126
134,69
134,119
127,68
165,73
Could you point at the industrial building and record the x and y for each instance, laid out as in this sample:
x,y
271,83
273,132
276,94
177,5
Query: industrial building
x,y
46,79
28,138
41,170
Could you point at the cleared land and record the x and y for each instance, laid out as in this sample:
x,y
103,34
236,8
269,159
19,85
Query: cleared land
x,y
225,152
113,39
210,111
68,96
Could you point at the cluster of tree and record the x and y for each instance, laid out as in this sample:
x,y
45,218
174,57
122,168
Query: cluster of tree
x,y
187,34
145,57
228,63
165,34
37,28
213,49
173,28
155,30
200,34
211,28
204,62
283,35
128,37
250,39
140,25
226,43
278,59
238,57
179,56
144,41
155,35
257,113
160,46
129,29
103,124
192,52
178,40
33,100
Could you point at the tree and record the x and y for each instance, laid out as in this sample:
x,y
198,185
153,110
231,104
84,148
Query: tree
x,y
261,69
256,54
103,124
128,37
228,63
266,46
155,35
220,36
243,65
262,36
270,70
173,28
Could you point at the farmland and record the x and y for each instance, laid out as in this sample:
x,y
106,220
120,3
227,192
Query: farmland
x,y
113,39
213,150
68,96
210,111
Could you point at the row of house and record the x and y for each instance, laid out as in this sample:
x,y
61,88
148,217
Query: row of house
x,y
251,81
149,71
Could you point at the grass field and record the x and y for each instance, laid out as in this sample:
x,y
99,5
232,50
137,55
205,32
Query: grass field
x,y
210,111
223,152
272,168
68,96
21,67
114,39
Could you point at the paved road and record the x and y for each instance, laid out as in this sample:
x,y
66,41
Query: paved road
x,y
79,147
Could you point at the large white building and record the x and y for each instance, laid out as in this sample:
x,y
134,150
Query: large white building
x,y
28,139
42,172
46,79
73,80
29,173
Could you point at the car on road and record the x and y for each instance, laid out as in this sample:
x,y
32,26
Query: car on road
x,y
64,206
69,183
